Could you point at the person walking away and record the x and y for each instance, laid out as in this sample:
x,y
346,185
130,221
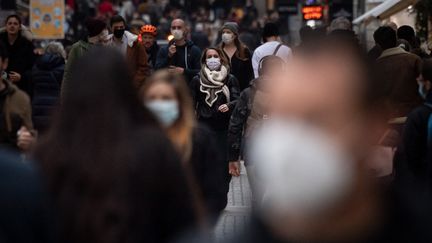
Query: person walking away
x,y
272,46
181,55
148,35
112,178
47,77
167,96
237,53
247,116
128,44
407,33
20,51
215,93
97,35
397,71
16,127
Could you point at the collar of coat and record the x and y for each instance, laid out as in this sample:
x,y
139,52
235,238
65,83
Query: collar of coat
x,y
393,51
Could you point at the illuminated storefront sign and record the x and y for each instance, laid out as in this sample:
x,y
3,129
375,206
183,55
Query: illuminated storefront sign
x,y
312,12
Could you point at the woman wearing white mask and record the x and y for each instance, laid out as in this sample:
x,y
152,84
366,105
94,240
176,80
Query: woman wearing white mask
x,y
167,96
215,93
237,53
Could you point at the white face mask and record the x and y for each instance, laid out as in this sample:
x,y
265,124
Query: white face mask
x,y
178,34
213,63
166,111
227,38
302,171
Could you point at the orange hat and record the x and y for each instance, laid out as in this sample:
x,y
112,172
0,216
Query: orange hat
x,y
149,29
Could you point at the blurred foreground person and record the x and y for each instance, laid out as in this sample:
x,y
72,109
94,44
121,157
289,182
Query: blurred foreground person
x,y
310,157
248,115
168,97
112,178
16,126
412,158
215,92
47,77
26,215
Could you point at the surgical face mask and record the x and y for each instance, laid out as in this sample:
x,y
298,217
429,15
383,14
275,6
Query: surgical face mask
x,y
178,34
166,111
213,63
227,38
301,170
422,90
118,33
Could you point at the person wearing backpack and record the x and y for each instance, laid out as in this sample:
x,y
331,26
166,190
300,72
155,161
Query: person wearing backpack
x,y
272,46
411,159
248,115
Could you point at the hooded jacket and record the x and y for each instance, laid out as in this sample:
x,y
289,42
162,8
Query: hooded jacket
x,y
187,57
47,77
137,58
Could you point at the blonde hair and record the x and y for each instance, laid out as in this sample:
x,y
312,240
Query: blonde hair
x,y
180,133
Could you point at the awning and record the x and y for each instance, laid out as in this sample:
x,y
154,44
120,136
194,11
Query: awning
x,y
385,10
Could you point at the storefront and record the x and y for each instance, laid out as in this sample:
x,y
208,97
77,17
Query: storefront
x,y
379,12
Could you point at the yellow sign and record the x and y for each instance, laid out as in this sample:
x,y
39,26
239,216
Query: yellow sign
x,y
47,19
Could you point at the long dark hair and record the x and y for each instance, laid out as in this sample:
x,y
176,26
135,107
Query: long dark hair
x,y
106,162
242,52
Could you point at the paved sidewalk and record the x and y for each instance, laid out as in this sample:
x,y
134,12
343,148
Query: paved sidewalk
x,y
236,214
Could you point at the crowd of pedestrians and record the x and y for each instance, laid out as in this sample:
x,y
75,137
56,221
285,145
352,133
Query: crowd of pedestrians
x,y
123,140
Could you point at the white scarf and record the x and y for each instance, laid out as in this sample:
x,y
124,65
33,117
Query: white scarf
x,y
212,83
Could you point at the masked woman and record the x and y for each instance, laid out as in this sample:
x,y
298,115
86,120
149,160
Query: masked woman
x,y
215,92
167,96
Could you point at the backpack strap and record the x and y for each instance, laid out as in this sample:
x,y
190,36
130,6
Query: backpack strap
x,y
277,49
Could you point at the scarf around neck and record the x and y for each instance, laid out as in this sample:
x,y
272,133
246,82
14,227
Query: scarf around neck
x,y
212,84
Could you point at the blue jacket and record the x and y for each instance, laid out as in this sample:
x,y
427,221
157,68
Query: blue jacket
x,y
187,57
47,75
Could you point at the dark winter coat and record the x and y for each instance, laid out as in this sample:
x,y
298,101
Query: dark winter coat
x,y
208,168
26,214
21,59
237,124
211,116
411,160
47,76
187,57
242,69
